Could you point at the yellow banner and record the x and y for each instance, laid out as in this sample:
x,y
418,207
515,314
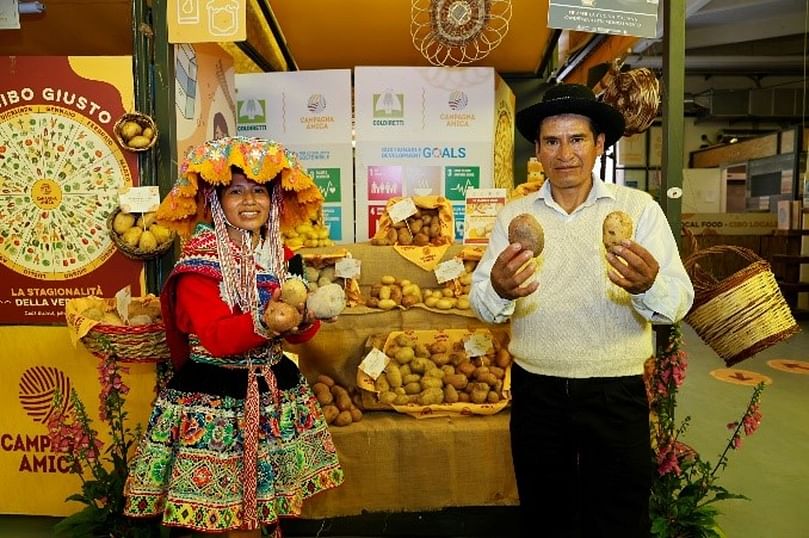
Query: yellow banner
x,y
38,362
206,21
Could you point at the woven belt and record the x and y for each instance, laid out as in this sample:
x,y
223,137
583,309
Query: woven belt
x,y
252,414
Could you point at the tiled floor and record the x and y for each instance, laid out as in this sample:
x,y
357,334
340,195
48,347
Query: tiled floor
x,y
771,467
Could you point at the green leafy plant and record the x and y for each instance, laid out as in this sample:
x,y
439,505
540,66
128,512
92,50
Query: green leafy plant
x,y
102,486
685,490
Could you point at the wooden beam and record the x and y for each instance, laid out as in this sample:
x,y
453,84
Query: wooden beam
x,y
165,114
610,48
671,182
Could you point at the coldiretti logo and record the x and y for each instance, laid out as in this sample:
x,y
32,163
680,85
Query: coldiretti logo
x,y
388,108
252,112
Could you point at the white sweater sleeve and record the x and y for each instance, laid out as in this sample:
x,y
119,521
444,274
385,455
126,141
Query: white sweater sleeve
x,y
486,303
671,295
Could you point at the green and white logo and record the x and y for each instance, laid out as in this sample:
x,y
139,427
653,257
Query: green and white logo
x,y
388,104
252,111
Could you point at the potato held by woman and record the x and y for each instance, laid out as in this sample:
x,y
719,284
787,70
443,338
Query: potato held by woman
x,y
527,231
293,292
327,301
281,317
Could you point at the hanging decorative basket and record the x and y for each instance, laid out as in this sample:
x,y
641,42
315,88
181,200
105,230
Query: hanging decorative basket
x,y
135,252
742,314
635,94
458,32
128,139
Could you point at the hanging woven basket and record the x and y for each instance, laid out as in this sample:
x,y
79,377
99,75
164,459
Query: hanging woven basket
x,y
142,138
635,94
742,314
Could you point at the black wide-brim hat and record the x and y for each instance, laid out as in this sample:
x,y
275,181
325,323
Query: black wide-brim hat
x,y
571,99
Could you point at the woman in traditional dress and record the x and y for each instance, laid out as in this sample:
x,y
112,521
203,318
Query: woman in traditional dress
x,y
237,439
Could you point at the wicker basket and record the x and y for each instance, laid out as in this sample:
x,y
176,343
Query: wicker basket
x,y
134,252
635,94
141,119
742,314
142,343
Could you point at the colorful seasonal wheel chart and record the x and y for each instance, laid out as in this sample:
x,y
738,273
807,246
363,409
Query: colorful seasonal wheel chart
x,y
504,151
60,175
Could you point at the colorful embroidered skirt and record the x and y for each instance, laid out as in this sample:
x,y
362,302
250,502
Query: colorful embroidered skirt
x,y
188,465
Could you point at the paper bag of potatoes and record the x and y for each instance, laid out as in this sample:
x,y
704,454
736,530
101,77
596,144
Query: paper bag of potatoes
x,y
431,225
319,271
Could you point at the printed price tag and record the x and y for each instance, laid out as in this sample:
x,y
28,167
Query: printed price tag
x,y
449,270
477,344
401,210
347,268
122,300
139,199
374,363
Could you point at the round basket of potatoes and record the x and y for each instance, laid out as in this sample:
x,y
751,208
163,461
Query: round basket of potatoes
x,y
139,338
135,131
139,236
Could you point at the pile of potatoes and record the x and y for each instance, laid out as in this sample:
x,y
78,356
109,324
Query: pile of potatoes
x,y
454,293
308,234
440,373
391,292
445,299
335,401
317,277
141,232
421,228
134,135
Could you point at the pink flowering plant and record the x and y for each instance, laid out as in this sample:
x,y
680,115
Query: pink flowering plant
x,y
103,472
685,488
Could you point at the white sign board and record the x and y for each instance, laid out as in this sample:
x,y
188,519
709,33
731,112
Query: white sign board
x,y
421,131
309,112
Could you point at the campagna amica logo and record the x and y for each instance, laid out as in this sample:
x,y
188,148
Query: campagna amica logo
x,y
316,103
457,100
38,386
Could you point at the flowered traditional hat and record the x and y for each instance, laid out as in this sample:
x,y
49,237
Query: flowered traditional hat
x,y
261,160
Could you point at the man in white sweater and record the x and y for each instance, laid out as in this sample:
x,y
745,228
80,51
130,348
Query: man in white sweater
x,y
581,318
